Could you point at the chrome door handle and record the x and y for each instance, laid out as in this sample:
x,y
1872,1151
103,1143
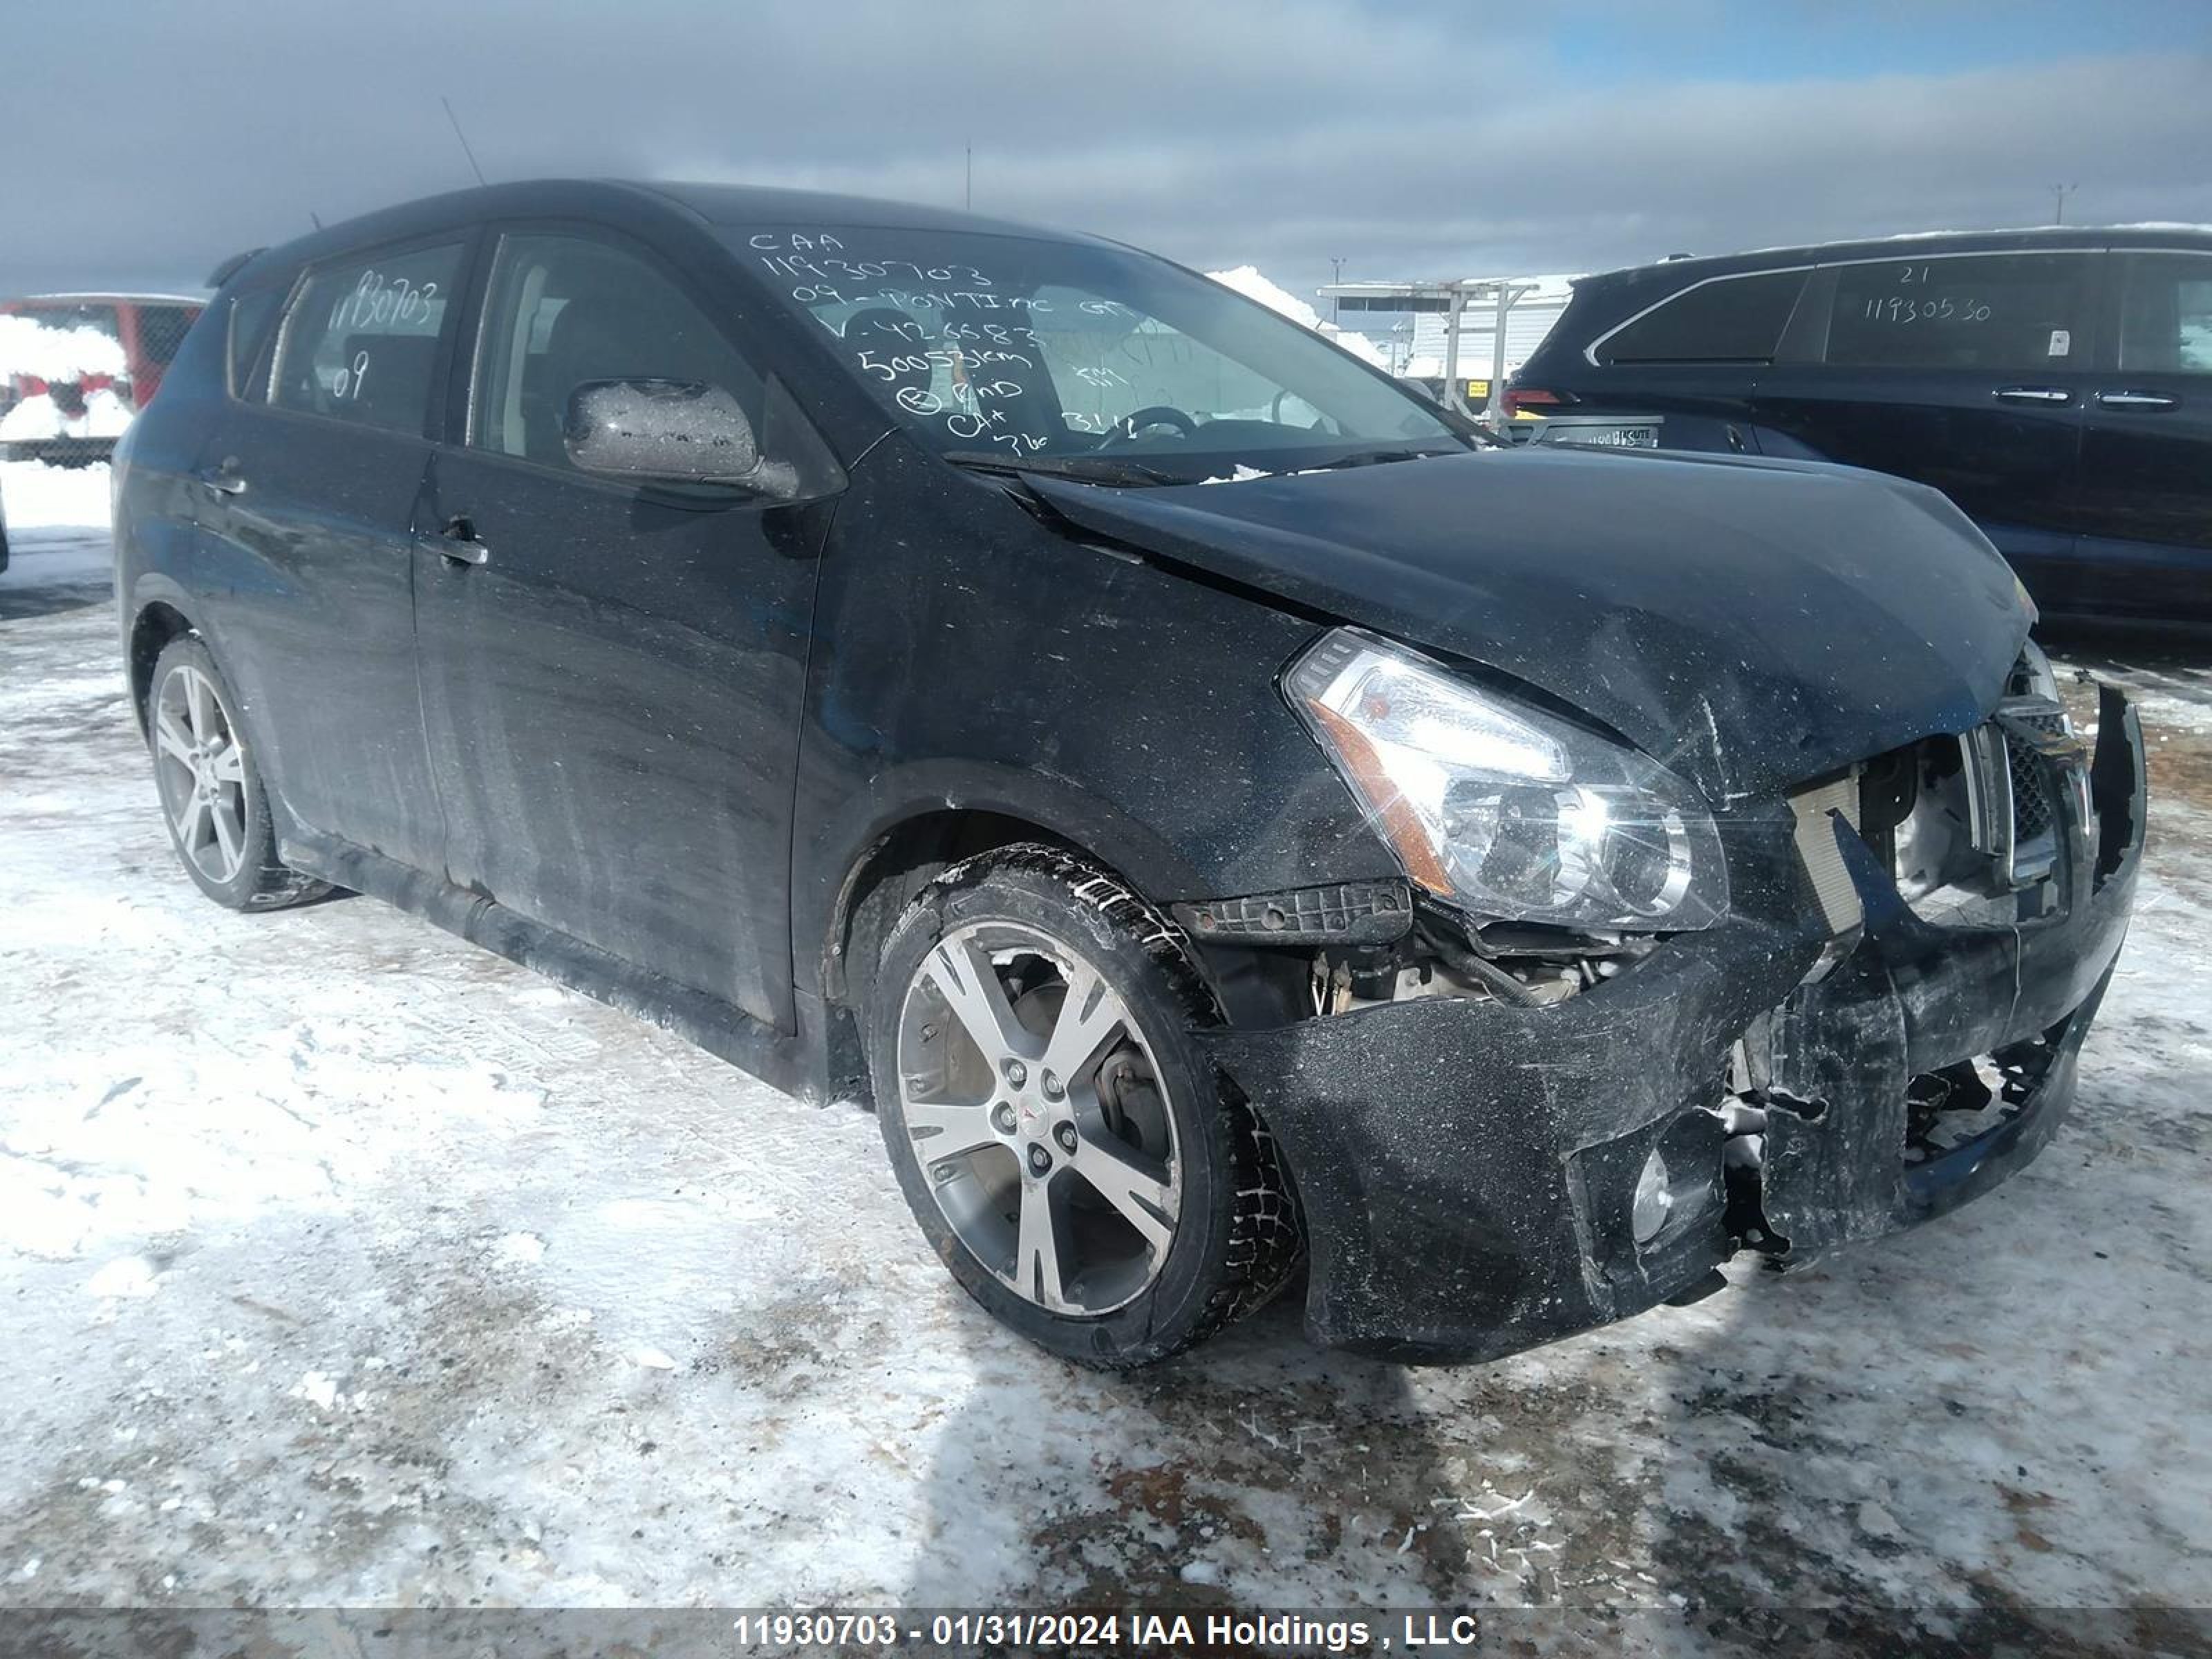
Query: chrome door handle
x,y
220,480
2137,400
457,542
2034,394
454,548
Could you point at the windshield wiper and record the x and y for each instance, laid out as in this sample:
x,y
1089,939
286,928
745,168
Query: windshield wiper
x,y
1091,469
1376,458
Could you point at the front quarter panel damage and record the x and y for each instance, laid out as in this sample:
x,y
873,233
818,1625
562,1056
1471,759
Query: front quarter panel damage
x,y
1467,1167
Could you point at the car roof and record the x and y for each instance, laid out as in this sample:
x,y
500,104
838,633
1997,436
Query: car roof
x,y
716,204
2027,240
752,204
126,298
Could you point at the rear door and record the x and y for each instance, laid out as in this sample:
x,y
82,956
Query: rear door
x,y
306,501
1968,372
2145,502
613,672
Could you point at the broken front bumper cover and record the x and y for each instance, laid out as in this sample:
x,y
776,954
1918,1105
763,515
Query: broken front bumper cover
x,y
1467,1170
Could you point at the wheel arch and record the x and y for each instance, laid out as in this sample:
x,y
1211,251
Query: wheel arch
x,y
156,623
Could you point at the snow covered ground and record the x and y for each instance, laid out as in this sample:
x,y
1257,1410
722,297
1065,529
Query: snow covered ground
x,y
345,1263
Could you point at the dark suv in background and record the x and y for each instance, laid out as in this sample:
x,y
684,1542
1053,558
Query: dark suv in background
x,y
2056,384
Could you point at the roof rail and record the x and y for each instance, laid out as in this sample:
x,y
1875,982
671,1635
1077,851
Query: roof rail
x,y
230,267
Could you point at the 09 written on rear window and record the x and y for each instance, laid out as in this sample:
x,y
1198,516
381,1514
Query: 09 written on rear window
x,y
360,342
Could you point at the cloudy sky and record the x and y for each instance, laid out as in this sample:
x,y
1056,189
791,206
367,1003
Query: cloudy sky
x,y
140,142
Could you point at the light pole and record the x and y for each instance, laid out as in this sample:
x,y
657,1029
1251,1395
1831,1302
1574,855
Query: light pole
x,y
2058,195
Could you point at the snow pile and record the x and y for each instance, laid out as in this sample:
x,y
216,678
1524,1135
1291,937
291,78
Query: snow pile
x,y
1247,281
29,347
105,415
36,496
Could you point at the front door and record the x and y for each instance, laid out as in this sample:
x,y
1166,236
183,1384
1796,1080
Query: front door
x,y
2146,494
307,497
1966,372
612,673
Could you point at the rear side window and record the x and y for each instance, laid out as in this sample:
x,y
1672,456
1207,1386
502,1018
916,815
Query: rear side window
x,y
2166,318
1729,319
2008,312
251,314
360,342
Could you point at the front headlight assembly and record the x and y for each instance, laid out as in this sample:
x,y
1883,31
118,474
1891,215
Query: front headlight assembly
x,y
1508,813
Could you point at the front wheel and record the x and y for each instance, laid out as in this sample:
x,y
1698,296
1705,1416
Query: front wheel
x,y
212,794
1067,1148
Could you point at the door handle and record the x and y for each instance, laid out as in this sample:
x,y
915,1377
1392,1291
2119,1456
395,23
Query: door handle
x,y
222,480
2034,394
2137,400
456,542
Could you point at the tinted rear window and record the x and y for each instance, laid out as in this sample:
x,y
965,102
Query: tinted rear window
x,y
360,342
1729,320
2166,327
2006,311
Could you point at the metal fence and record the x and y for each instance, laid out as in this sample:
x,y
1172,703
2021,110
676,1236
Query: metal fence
x,y
74,369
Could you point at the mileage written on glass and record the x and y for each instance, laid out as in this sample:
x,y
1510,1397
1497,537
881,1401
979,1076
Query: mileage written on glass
x,y
1051,347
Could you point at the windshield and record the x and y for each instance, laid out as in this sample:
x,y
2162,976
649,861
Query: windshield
x,y
1019,349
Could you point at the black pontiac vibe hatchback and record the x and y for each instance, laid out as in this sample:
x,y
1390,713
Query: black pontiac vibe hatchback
x,y
1219,812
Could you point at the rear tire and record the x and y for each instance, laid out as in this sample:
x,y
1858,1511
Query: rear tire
x,y
1115,1215
212,795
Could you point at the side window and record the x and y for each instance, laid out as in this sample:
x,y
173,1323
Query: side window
x,y
566,309
2166,318
360,342
2008,313
1731,319
251,314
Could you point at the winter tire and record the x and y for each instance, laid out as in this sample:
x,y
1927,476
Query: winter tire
x,y
1067,1148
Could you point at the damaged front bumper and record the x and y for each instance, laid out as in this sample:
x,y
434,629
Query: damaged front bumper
x,y
1469,1170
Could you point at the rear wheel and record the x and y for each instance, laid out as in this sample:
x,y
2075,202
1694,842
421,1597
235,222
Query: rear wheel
x,y
1066,1146
212,795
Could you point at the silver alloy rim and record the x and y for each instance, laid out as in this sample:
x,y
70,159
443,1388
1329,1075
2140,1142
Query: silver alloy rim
x,y
1034,1107
201,768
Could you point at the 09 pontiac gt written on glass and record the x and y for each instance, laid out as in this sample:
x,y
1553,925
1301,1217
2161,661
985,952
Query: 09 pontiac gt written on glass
x,y
1037,350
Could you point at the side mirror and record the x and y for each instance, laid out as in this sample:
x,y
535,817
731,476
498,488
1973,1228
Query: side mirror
x,y
673,431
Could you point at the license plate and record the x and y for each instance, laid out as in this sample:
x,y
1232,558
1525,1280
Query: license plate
x,y
1609,437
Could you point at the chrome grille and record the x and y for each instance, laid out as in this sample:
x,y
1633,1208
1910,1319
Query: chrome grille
x,y
2011,765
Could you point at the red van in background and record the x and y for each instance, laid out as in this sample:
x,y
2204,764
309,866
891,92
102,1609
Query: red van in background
x,y
78,408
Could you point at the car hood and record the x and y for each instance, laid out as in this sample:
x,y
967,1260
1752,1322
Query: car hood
x,y
1750,624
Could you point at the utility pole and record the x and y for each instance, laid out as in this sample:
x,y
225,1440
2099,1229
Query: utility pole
x,y
2058,195
967,192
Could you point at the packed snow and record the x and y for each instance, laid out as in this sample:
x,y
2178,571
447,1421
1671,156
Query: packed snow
x,y
40,349
1247,281
37,500
350,1264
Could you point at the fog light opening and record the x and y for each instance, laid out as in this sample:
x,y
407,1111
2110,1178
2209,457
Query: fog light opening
x,y
1654,1204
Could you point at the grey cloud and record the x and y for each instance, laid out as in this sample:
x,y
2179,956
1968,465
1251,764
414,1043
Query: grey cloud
x,y
1409,142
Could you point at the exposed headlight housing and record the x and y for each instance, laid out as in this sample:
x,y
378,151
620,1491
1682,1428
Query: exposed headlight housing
x,y
1509,813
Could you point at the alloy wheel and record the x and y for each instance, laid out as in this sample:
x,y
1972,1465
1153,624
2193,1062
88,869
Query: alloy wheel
x,y
201,769
1034,1106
